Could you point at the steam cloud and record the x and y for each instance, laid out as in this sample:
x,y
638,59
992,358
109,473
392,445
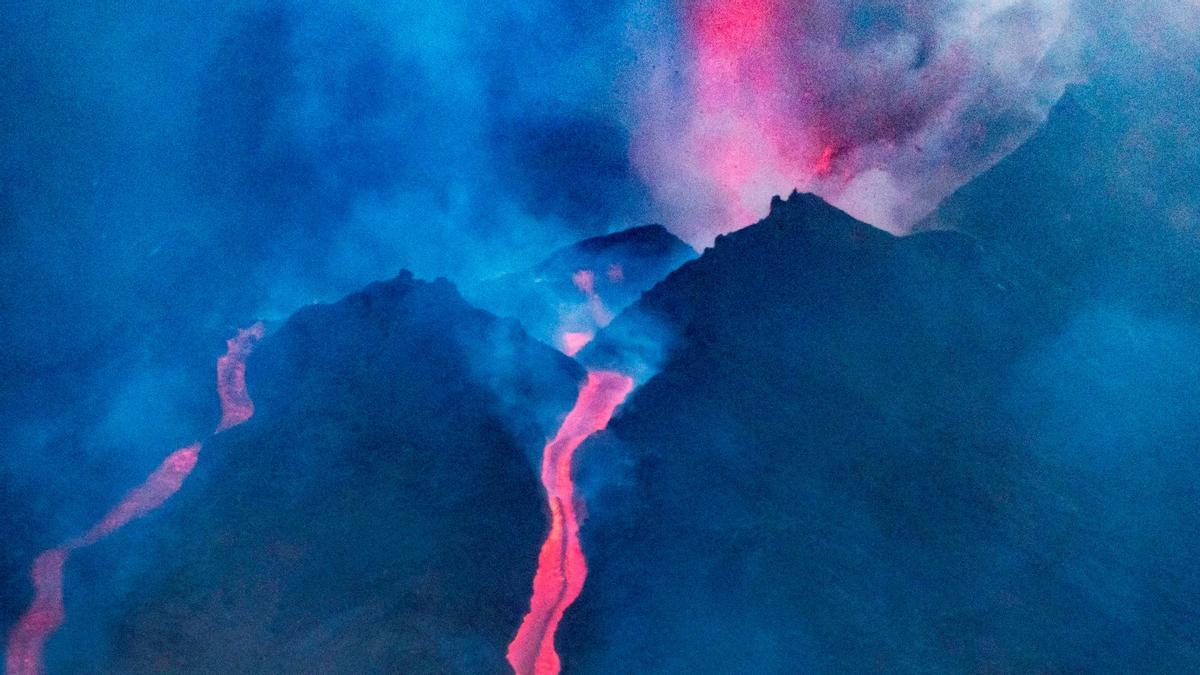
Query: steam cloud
x,y
314,148
881,107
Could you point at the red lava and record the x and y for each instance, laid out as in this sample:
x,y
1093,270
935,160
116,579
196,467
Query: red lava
x,y
46,613
561,565
236,406
571,341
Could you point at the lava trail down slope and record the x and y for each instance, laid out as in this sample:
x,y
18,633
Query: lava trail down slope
x,y
561,566
46,613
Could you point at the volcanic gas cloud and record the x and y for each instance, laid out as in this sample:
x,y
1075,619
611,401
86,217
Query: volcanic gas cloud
x,y
882,108
46,613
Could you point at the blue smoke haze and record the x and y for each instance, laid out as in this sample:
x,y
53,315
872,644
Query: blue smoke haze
x,y
168,174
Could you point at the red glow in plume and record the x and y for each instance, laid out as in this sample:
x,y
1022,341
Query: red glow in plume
x,y
874,106
46,613
561,566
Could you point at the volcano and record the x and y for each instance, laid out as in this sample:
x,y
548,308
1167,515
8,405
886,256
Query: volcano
x,y
380,510
952,451
575,291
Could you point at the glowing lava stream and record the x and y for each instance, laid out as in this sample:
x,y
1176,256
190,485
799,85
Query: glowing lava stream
x,y
561,566
46,613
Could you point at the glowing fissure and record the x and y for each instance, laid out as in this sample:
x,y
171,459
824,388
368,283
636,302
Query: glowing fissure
x,y
570,341
47,612
561,565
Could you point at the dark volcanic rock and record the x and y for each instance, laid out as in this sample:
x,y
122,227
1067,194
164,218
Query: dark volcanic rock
x,y
623,265
379,513
1101,204
870,453
78,432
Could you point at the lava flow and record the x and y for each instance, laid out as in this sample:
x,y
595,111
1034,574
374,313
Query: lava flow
x,y
46,613
594,315
561,566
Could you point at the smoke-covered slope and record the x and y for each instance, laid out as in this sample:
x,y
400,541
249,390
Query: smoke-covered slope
x,y
379,513
548,298
1101,203
869,453
79,433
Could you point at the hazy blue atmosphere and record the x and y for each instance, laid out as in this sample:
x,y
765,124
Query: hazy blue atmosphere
x,y
908,295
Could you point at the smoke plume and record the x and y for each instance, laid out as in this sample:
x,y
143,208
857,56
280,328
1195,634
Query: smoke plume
x,y
881,107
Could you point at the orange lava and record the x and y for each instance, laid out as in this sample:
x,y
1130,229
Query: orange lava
x,y
46,613
561,565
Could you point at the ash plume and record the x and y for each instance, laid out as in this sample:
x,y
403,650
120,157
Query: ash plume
x,y
883,108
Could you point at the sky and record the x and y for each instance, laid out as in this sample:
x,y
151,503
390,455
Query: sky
x,y
255,157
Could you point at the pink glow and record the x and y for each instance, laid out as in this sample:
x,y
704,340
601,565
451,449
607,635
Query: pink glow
x,y
158,487
43,617
585,281
46,613
236,406
572,342
561,566
754,98
736,86
582,321
616,273
750,121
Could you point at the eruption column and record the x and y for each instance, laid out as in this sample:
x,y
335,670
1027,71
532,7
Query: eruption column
x,y
46,613
561,566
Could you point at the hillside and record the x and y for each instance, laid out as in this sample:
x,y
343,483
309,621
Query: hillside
x,y
871,453
379,512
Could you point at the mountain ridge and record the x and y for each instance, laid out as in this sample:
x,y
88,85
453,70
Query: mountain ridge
x,y
379,510
893,454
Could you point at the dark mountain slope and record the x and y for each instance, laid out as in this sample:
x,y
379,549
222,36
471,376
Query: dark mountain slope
x,y
379,513
869,453
78,433
547,298
1101,203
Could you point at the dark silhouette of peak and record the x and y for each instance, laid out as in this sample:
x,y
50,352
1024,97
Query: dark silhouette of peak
x,y
579,287
648,241
379,512
854,452
805,252
803,220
